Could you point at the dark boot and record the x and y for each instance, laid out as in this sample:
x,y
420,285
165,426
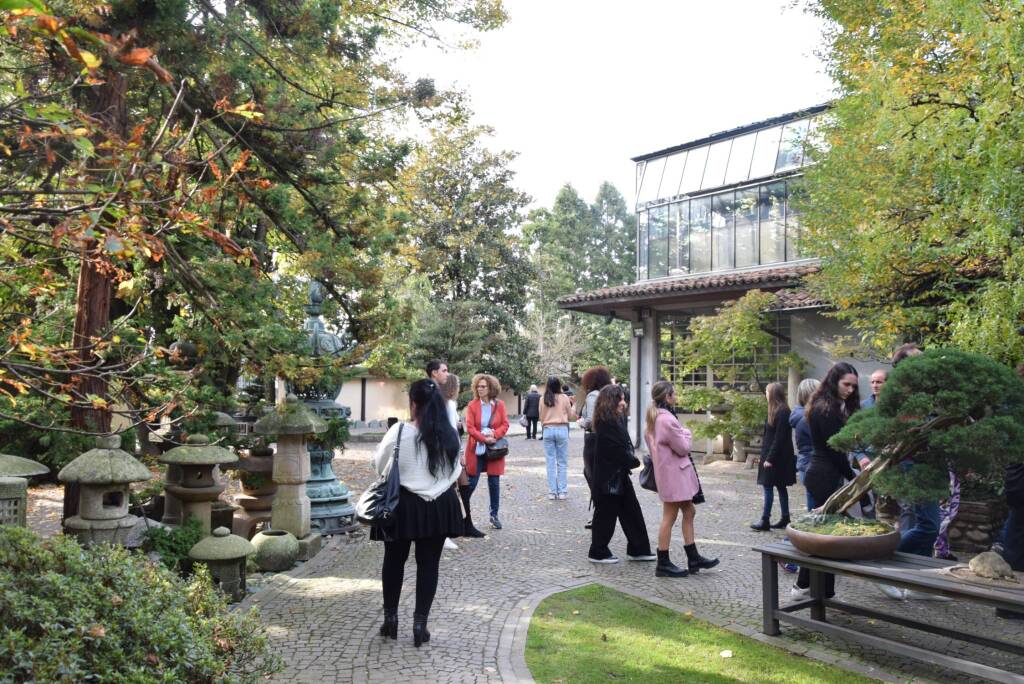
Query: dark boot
x,y
666,568
390,626
420,635
469,530
761,525
781,525
697,562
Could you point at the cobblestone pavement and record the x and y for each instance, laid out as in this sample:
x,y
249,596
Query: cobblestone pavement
x,y
323,617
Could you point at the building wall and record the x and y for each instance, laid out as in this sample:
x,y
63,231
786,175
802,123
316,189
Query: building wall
x,y
387,397
810,333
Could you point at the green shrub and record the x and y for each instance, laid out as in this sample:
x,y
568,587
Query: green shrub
x,y
73,614
173,544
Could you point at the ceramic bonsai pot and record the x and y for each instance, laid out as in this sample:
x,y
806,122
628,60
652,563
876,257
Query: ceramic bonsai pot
x,y
842,547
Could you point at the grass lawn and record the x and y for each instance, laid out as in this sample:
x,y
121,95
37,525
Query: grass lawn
x,y
596,634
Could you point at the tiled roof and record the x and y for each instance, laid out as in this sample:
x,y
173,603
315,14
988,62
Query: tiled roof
x,y
796,298
772,277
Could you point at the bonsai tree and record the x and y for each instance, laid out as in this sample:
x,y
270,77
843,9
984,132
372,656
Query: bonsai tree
x,y
940,411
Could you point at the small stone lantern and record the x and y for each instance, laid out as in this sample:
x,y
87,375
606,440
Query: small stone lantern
x,y
291,423
104,474
14,474
225,555
197,489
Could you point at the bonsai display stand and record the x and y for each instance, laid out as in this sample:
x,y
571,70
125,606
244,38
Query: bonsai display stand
x,y
902,570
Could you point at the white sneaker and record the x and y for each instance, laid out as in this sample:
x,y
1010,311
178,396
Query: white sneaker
x,y
643,557
798,593
552,497
450,545
563,496
924,596
895,593
608,560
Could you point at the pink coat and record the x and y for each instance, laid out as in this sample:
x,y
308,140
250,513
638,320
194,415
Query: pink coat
x,y
670,451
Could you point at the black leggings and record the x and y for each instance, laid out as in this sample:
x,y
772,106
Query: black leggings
x,y
428,558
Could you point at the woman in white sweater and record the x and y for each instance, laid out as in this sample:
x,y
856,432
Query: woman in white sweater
x,y
428,509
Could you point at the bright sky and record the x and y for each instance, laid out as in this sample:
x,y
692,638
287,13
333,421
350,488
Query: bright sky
x,y
577,87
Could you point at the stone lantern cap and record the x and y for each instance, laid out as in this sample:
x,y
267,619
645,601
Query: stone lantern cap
x,y
221,420
291,419
106,464
198,451
16,466
222,546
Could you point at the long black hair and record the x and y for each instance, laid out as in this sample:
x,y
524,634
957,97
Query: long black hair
x,y
606,410
826,399
435,430
554,387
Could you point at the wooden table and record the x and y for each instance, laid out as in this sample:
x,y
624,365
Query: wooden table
x,y
902,570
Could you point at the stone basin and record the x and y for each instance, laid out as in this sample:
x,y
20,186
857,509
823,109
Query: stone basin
x,y
844,548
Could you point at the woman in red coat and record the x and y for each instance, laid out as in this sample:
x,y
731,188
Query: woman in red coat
x,y
486,423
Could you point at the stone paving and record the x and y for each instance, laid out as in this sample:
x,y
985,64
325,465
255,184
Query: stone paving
x,y
323,617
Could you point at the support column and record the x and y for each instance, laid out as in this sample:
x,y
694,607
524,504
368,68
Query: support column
x,y
792,382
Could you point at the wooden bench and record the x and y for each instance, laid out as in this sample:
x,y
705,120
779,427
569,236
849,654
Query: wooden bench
x,y
902,570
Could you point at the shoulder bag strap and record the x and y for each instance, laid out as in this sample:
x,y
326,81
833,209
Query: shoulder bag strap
x,y
398,444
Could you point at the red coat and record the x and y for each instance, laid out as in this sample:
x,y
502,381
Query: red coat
x,y
499,424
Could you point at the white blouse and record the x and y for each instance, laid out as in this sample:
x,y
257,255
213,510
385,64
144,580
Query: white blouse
x,y
412,463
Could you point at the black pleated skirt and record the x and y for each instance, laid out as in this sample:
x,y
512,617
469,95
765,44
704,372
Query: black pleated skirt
x,y
417,518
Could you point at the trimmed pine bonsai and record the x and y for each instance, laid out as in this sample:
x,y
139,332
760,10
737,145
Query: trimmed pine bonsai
x,y
940,411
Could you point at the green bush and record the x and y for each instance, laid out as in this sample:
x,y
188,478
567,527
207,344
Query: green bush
x,y
173,544
73,614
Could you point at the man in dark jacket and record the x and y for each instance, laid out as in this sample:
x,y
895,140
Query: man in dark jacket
x,y
1010,544
531,409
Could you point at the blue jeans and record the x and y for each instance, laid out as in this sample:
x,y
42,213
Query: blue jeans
x,y
769,499
556,451
1012,539
810,499
493,486
920,539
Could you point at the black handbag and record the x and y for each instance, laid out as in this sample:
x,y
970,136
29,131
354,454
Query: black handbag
x,y
379,503
647,480
698,498
498,450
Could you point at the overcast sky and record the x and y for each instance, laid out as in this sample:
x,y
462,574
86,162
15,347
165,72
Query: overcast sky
x,y
577,87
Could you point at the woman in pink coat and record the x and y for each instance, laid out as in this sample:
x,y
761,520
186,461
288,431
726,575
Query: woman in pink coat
x,y
669,445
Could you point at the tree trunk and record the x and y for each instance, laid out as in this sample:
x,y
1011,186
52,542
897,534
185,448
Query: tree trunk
x,y
92,300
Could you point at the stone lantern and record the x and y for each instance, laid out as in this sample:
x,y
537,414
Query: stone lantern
x,y
104,474
198,488
330,509
225,555
291,423
14,474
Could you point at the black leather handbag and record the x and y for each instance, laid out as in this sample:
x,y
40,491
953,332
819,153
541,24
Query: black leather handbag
x,y
498,450
646,478
378,504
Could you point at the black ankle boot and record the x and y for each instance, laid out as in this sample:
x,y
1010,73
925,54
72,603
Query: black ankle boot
x,y
697,562
761,525
390,626
781,525
666,568
469,530
420,635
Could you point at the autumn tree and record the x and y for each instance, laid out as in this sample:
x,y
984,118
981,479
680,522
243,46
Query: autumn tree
x,y
178,171
916,202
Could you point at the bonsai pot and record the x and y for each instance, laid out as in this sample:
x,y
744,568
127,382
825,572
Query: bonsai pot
x,y
844,548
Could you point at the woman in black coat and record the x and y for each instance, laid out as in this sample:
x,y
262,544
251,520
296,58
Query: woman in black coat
x,y
777,469
611,486
831,406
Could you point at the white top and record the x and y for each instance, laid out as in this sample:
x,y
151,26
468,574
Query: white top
x,y
453,413
587,414
412,463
